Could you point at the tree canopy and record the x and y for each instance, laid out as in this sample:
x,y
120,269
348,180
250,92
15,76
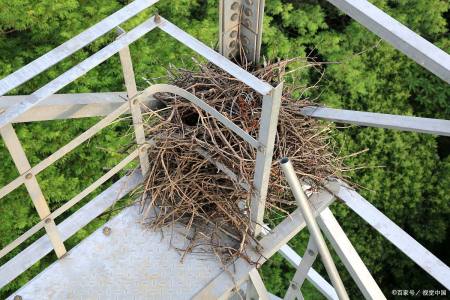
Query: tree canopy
x,y
407,175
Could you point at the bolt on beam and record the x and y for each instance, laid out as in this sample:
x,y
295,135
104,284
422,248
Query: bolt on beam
x,y
241,26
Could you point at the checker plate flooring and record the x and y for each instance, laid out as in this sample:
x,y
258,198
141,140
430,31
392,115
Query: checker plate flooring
x,y
131,263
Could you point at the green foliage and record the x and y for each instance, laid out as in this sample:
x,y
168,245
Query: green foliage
x,y
407,175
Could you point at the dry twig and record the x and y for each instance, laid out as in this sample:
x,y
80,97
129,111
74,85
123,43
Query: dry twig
x,y
182,186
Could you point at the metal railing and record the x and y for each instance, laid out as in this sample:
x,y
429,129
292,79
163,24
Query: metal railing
x,y
398,35
275,241
111,106
263,145
55,235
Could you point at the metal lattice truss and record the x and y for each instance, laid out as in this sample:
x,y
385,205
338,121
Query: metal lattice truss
x,y
240,22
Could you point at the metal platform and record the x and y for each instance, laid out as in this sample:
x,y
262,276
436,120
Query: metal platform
x,y
131,262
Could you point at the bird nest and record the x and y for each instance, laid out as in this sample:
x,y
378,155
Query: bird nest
x,y
186,183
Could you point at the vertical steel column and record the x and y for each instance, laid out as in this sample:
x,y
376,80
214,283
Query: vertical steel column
x,y
313,227
240,23
229,15
135,108
294,290
267,133
23,166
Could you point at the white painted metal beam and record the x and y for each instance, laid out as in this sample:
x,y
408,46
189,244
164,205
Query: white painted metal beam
x,y
64,150
313,227
75,72
33,188
271,243
260,86
69,204
260,291
323,286
397,236
82,105
349,256
294,289
66,106
68,227
71,46
401,37
263,164
404,123
73,106
135,106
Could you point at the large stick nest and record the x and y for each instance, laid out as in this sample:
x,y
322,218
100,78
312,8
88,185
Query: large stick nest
x,y
184,186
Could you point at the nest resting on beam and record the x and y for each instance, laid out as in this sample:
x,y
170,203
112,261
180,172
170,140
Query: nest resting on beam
x,y
185,186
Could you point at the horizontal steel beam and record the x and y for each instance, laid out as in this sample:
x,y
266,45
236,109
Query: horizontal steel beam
x,y
64,150
401,37
73,45
73,106
75,72
224,63
68,227
66,106
404,123
397,236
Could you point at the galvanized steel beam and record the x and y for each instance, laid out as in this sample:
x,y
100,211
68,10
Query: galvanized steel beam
x,y
71,46
224,63
63,150
31,184
240,28
294,289
75,72
37,250
223,284
267,132
312,276
313,227
69,204
404,123
255,287
401,37
349,257
135,107
397,236
73,106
